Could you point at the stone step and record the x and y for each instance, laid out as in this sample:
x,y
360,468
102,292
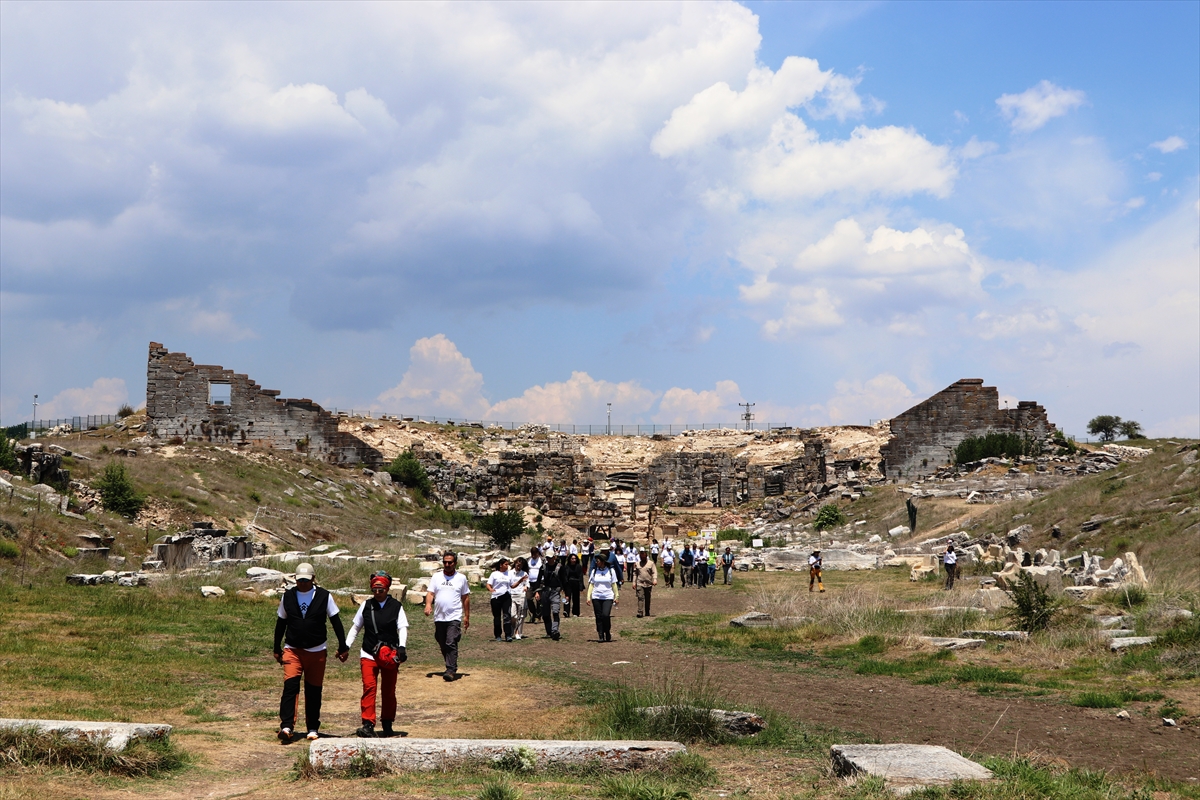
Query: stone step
x,y
953,643
115,735
1118,633
1001,636
1129,641
432,754
905,767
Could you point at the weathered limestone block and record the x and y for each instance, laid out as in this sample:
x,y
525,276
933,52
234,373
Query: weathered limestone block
x,y
432,754
116,736
906,767
953,643
999,636
1129,641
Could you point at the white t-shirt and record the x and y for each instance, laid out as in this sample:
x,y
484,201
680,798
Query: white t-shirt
x,y
668,556
950,557
305,599
653,549
547,547
535,569
602,584
448,593
518,587
500,583
813,561
631,557
573,550
359,624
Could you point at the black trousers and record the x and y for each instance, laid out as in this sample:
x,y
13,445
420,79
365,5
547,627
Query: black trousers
x,y
502,622
603,611
573,602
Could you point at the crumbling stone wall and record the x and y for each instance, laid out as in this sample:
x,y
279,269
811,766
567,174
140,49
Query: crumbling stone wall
x,y
688,479
178,405
924,436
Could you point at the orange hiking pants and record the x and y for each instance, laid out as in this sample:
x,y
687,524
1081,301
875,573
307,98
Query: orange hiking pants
x,y
298,663
372,676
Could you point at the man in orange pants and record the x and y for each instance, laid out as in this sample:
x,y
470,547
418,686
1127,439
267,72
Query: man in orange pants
x,y
303,612
385,636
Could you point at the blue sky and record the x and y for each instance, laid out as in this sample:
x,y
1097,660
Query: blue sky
x,y
525,211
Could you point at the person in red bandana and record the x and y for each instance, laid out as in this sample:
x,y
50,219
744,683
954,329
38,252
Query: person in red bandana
x,y
385,635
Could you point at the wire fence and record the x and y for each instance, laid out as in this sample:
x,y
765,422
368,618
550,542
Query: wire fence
x,y
84,423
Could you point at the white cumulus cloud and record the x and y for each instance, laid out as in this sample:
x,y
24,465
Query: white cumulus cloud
x,y
1170,144
718,404
1037,105
104,396
439,380
858,402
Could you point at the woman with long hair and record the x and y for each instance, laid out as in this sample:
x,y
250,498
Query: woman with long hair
x,y
574,585
519,590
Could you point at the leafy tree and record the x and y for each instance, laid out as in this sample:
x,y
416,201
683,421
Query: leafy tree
x,y
117,492
408,471
502,527
1106,426
1033,608
1131,429
829,516
8,456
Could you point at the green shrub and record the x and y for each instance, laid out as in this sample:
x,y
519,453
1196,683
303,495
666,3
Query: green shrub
x,y
125,410
9,549
70,552
829,516
641,787
995,444
406,470
254,495
8,456
1127,596
519,759
502,527
1033,608
117,492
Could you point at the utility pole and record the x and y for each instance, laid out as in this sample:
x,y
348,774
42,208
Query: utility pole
x,y
608,426
746,415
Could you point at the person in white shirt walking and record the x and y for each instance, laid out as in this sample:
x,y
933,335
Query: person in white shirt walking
x,y
384,624
603,593
668,565
519,590
950,560
449,600
499,583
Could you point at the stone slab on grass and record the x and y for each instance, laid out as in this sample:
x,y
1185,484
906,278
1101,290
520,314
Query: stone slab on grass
x,y
1121,643
905,767
1000,636
115,735
953,642
430,754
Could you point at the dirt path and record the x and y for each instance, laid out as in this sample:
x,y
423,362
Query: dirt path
x,y
889,709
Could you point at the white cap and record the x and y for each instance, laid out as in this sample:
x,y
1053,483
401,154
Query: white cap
x,y
303,571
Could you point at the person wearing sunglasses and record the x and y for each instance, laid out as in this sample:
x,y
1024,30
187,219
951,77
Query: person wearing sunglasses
x,y
449,600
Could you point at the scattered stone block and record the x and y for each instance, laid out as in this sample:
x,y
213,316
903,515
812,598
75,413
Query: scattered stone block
x,y
905,767
212,591
753,619
737,723
248,594
1081,592
1129,641
264,574
1000,636
433,754
414,597
953,642
116,736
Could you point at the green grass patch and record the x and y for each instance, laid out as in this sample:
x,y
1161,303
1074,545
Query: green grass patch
x,y
27,749
1114,699
975,673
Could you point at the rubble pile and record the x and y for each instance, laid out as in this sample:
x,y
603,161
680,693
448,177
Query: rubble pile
x,y
202,546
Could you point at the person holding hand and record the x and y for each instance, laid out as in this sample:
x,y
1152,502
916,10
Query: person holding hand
x,y
384,624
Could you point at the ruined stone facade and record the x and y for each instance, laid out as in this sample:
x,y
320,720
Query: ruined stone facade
x,y
201,402
567,485
924,436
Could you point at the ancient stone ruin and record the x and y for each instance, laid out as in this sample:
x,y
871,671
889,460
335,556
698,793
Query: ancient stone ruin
x,y
924,436
204,545
201,402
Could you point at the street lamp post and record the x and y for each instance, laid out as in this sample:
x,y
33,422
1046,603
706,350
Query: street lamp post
x,y
608,425
33,433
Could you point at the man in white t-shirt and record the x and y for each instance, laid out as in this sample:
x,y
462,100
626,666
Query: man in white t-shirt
x,y
449,600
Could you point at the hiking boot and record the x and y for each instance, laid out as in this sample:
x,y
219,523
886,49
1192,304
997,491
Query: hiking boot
x,y
367,731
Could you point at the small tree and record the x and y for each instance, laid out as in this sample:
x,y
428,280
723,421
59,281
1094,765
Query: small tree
x,y
502,527
1106,426
1033,608
1131,429
8,456
829,516
117,492
408,471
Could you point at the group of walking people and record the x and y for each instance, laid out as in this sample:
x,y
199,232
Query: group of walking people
x,y
552,582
